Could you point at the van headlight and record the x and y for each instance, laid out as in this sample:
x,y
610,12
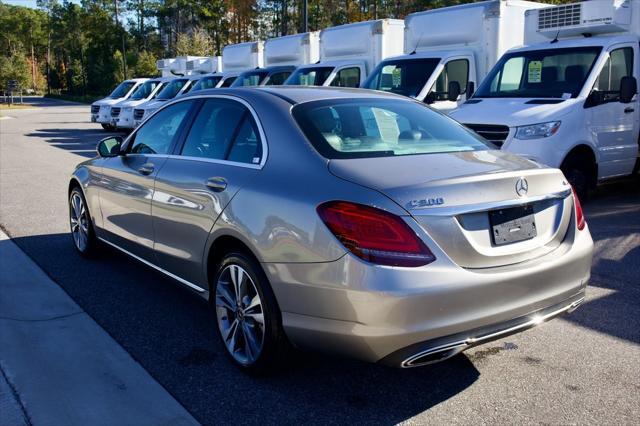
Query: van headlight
x,y
537,131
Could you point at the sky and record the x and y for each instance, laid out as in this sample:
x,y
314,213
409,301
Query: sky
x,y
28,3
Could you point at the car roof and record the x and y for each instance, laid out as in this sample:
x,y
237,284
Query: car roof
x,y
300,94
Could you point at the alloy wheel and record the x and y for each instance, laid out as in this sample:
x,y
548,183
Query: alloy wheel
x,y
79,219
240,314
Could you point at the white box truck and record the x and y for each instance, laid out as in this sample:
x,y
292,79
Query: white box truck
x,y
204,65
122,112
448,51
175,87
282,55
568,98
348,53
101,110
237,58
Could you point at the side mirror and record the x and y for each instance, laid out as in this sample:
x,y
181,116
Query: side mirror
x,y
453,91
628,89
109,147
471,89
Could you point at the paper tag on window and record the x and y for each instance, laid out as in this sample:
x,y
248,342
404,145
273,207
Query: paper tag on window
x,y
566,96
535,72
256,160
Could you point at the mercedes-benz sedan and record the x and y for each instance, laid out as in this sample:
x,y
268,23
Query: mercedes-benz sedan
x,y
354,222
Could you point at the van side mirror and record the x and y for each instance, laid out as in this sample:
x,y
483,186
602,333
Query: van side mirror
x,y
628,89
471,89
109,147
453,91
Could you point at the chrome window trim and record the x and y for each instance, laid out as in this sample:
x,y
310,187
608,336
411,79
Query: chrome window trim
x,y
214,161
157,268
263,137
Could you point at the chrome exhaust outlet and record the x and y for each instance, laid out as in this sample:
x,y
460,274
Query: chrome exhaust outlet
x,y
434,355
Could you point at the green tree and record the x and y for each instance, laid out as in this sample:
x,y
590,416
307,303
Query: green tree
x,y
198,43
146,65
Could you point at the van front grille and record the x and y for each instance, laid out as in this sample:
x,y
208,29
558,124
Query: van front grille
x,y
115,111
95,109
138,114
559,16
494,133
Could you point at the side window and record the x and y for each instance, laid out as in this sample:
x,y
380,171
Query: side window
x,y
214,129
278,79
510,77
619,64
347,77
457,70
156,135
246,147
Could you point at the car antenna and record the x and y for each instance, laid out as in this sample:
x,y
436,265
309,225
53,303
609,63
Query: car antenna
x,y
413,52
555,40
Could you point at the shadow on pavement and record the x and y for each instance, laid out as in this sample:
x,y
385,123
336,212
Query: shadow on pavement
x,y
170,331
78,141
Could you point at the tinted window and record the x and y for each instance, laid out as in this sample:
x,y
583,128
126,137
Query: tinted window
x,y
618,65
278,78
457,70
228,81
381,128
347,77
189,85
156,134
309,76
549,73
406,76
122,89
246,146
214,129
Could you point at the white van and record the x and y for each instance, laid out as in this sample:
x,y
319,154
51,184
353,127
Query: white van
x,y
569,98
101,110
122,112
348,53
449,50
175,87
237,58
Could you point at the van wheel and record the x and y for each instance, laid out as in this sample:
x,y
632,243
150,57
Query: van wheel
x,y
249,322
579,179
107,127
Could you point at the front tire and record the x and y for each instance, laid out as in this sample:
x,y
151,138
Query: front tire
x,y
82,233
249,322
107,127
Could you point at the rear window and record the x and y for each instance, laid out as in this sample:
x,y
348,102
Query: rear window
x,y
362,128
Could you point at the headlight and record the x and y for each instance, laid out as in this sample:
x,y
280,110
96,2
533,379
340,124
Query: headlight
x,y
148,112
537,131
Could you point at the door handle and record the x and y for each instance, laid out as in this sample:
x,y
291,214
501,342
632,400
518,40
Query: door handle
x,y
146,169
628,110
217,184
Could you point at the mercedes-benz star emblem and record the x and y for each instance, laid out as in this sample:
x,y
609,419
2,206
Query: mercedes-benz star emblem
x,y
522,187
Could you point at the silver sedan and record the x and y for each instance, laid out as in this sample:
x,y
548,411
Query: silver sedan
x,y
353,222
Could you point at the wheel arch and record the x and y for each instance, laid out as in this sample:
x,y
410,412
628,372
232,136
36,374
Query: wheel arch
x,y
221,245
582,153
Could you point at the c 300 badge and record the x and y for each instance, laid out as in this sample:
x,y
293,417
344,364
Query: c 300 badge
x,y
426,202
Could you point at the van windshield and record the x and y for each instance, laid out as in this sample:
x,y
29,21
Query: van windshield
x,y
171,89
548,73
122,89
315,76
207,83
145,90
252,78
403,76
364,128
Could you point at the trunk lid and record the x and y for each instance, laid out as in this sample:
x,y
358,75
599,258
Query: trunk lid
x,y
459,198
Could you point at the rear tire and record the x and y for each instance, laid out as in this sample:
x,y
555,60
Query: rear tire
x,y
248,320
82,232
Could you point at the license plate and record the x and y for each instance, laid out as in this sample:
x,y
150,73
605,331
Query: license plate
x,y
512,225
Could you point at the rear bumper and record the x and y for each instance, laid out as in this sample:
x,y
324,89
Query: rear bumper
x,y
373,313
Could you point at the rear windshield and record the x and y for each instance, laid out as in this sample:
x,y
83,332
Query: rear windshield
x,y
362,128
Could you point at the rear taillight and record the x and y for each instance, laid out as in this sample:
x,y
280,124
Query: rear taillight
x,y
374,235
580,221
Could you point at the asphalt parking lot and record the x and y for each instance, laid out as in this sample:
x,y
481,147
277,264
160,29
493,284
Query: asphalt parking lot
x,y
581,368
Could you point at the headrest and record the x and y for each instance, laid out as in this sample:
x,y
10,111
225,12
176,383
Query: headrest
x,y
549,74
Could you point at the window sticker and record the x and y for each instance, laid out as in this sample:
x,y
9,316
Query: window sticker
x,y
535,72
396,77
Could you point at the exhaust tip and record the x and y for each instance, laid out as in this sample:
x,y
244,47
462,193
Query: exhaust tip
x,y
434,355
